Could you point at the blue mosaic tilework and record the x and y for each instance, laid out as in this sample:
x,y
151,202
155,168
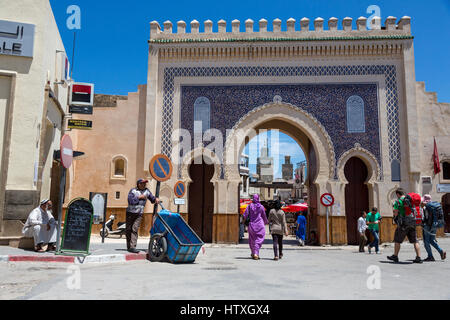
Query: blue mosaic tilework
x,y
230,103
389,71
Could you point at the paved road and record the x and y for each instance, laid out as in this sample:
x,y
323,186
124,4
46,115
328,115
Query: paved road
x,y
227,272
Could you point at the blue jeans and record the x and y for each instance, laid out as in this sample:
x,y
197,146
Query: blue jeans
x,y
429,237
241,231
376,240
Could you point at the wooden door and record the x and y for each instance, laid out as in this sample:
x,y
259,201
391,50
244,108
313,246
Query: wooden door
x,y
356,196
446,209
201,200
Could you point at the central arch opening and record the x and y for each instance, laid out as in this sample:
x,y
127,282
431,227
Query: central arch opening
x,y
293,184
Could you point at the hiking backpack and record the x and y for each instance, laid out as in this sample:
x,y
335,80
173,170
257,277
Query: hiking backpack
x,y
412,206
435,214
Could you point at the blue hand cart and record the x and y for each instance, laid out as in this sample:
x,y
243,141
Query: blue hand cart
x,y
173,238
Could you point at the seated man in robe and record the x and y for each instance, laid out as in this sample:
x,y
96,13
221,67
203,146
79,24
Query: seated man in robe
x,y
41,226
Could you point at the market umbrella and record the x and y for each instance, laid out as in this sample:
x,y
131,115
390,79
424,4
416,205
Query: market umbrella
x,y
296,207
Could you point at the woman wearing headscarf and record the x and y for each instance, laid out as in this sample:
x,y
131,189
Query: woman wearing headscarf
x,y
256,228
278,226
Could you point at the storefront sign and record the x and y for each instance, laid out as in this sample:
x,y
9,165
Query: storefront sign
x,y
79,124
81,109
443,188
81,94
77,227
16,39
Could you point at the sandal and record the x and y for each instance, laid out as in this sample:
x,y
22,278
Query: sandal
x,y
276,258
38,248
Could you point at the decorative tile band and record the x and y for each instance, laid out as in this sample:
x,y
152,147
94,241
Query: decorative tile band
x,y
389,71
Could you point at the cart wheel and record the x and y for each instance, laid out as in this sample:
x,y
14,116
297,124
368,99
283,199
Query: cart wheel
x,y
157,247
106,233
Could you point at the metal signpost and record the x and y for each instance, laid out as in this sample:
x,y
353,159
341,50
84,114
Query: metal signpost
x,y
66,154
327,200
161,170
179,191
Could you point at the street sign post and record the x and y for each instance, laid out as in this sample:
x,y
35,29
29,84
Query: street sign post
x,y
327,201
179,191
66,157
160,169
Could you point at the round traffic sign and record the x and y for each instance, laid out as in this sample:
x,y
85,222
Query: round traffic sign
x,y
179,189
327,199
66,149
161,168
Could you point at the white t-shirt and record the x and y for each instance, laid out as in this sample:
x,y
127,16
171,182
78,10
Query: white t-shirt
x,y
362,226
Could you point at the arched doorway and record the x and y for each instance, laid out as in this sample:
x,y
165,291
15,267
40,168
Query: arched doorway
x,y
356,195
201,200
446,209
310,136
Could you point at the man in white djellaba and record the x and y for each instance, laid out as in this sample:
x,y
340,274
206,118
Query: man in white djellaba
x,y
41,226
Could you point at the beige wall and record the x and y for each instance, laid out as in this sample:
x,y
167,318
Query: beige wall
x,y
117,132
434,120
30,99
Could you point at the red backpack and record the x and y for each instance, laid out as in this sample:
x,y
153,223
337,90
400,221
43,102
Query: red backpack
x,y
416,199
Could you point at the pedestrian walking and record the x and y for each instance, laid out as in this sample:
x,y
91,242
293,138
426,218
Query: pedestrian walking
x,y
430,225
373,220
41,226
278,226
406,226
300,232
256,227
362,227
137,198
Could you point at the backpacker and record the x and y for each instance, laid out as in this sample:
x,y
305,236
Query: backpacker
x,y
435,214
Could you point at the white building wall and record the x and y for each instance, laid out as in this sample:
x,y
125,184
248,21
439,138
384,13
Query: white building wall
x,y
30,96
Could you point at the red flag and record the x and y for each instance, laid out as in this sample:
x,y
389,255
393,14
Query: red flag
x,y
437,165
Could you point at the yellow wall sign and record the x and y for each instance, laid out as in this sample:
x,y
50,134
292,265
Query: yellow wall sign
x,y
79,124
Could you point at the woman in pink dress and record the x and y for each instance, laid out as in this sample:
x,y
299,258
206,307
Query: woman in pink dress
x,y
256,228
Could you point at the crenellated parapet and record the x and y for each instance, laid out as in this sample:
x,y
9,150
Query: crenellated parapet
x,y
294,30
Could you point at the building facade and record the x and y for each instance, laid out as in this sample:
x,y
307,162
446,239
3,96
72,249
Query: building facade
x,y
34,83
347,96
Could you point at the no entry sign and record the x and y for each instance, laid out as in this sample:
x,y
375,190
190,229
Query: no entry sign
x,y
179,189
66,151
160,168
327,199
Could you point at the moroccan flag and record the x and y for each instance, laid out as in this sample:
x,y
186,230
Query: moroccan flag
x,y
437,165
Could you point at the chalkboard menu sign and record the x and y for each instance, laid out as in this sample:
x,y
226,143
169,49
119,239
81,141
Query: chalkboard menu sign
x,y
77,227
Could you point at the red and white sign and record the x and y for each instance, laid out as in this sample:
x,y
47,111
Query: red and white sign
x,y
66,151
81,94
327,199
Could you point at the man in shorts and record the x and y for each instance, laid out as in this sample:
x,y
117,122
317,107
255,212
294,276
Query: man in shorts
x,y
403,231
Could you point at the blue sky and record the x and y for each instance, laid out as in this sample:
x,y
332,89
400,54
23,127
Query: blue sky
x,y
111,48
280,145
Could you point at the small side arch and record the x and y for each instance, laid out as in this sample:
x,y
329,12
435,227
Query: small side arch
x,y
367,157
197,154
